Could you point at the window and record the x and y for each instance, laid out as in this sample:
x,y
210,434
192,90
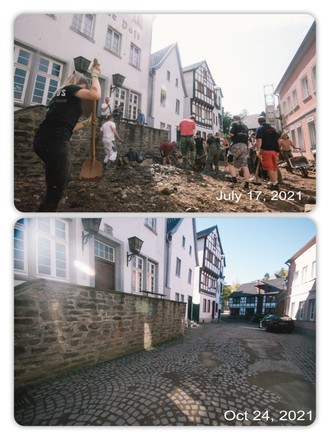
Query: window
x,y
304,274
168,75
301,310
190,250
52,248
44,82
47,81
295,277
163,97
84,23
20,251
151,223
177,296
183,242
304,87
137,274
178,267
312,133
104,251
22,71
120,98
133,105
151,277
311,310
113,41
135,56
294,99
176,82
314,77
189,276
177,106
301,143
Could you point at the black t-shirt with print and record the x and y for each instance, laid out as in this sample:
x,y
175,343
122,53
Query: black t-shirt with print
x,y
269,137
240,132
64,111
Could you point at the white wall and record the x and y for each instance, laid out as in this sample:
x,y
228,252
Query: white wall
x,y
166,114
55,38
180,284
302,284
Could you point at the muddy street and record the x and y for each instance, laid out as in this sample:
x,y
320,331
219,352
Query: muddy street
x,y
151,187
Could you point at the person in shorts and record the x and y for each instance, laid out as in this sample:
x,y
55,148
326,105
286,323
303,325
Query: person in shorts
x,y
238,152
187,128
267,144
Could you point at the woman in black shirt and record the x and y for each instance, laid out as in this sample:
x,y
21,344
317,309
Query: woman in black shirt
x,y
52,139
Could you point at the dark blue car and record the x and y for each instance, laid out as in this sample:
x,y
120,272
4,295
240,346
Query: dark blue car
x,y
280,323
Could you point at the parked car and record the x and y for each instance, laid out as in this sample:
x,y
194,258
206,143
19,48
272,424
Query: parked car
x,y
274,322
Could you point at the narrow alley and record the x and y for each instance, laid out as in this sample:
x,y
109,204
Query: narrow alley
x,y
220,374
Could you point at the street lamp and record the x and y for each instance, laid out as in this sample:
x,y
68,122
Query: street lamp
x,y
91,226
81,64
117,81
135,245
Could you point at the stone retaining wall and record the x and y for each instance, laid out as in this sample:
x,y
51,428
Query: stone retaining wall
x,y
142,139
59,327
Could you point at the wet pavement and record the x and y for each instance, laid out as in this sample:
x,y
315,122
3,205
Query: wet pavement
x,y
219,374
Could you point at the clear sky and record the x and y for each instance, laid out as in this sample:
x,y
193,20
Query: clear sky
x,y
256,246
244,52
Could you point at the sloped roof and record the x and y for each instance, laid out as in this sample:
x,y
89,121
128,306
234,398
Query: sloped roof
x,y
158,58
173,224
195,66
249,289
205,232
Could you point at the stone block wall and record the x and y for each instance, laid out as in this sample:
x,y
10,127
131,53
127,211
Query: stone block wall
x,y
142,139
59,327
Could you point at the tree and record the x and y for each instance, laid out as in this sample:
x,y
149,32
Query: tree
x,y
282,273
266,277
227,120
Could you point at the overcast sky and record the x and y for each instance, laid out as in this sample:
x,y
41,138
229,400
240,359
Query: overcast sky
x,y
244,52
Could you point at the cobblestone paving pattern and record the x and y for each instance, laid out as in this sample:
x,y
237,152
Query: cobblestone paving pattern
x,y
218,374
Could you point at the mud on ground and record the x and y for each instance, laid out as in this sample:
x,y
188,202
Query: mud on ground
x,y
151,187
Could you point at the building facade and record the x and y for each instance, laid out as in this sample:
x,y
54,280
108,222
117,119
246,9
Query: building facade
x,y
204,98
256,298
167,90
297,96
98,253
209,274
300,302
47,44
181,261
92,252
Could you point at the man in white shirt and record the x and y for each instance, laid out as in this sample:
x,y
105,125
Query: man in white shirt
x,y
106,108
110,134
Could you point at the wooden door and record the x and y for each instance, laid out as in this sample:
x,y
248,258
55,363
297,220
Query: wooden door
x,y
104,274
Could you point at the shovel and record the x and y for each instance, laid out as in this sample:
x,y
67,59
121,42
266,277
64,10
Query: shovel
x,y
92,169
255,180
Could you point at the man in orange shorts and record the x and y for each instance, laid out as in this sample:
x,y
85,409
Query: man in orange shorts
x,y
267,145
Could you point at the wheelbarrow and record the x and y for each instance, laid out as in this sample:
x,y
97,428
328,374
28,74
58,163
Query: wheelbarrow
x,y
299,163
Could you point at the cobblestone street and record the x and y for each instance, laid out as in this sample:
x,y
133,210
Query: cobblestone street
x,y
231,373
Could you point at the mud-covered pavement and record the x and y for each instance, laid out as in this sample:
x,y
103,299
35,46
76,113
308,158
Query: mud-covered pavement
x,y
151,187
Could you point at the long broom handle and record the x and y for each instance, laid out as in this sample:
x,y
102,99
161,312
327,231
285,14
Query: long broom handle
x,y
93,147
